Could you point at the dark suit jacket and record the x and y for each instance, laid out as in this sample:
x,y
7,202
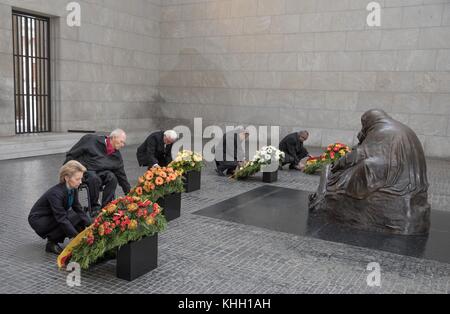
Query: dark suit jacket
x,y
293,148
152,151
91,152
51,211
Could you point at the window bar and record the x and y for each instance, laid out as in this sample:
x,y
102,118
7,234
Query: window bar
x,y
27,78
41,75
14,27
44,79
20,79
49,117
38,80
32,58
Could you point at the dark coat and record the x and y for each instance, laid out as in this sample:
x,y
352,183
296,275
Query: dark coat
x,y
293,149
90,151
51,211
152,151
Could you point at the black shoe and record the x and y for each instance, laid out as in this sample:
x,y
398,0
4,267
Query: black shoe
x,y
292,167
219,173
230,172
53,247
96,205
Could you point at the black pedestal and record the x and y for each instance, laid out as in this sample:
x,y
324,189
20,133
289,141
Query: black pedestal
x,y
137,258
269,177
171,205
192,181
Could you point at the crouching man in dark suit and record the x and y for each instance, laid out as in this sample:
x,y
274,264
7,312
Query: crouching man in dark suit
x,y
101,156
292,146
58,214
157,149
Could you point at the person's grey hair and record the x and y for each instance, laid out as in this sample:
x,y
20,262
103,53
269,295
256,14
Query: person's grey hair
x,y
303,132
69,169
117,133
171,134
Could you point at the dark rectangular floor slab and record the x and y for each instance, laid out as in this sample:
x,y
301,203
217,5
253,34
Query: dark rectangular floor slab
x,y
286,210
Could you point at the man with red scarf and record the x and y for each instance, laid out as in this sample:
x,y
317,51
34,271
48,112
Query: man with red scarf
x,y
101,156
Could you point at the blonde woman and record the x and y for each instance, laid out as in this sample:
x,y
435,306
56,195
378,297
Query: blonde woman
x,y
51,217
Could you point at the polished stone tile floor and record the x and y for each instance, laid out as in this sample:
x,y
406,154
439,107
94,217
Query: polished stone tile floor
x,y
199,254
286,210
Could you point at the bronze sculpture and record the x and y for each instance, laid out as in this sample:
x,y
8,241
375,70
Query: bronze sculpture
x,y
381,185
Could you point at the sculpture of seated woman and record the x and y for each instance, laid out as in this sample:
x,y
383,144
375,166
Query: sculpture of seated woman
x,y
381,185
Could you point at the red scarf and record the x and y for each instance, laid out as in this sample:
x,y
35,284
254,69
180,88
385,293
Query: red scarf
x,y
109,147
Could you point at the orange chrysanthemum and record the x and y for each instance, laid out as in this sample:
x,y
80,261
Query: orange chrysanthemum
x,y
148,175
147,187
159,181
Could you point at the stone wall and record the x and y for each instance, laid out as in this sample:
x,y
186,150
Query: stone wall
x,y
105,73
312,64
315,64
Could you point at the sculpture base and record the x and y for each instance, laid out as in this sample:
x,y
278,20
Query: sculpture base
x,y
380,212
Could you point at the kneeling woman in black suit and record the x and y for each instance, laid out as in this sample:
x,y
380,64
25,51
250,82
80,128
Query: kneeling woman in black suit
x,y
52,218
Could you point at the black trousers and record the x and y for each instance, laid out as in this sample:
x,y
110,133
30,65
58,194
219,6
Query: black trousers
x,y
229,166
162,162
289,159
48,228
95,181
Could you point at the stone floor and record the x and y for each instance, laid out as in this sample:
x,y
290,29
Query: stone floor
x,y
204,255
